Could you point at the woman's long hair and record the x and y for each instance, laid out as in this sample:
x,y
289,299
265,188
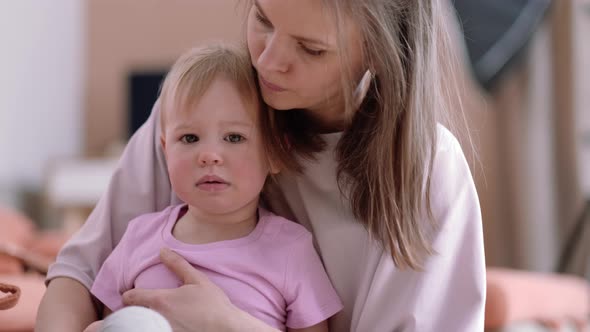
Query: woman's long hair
x,y
387,151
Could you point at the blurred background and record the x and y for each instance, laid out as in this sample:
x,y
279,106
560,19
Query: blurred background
x,y
78,77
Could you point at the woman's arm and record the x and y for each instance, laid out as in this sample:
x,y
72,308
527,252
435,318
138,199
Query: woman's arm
x,y
455,281
449,293
139,185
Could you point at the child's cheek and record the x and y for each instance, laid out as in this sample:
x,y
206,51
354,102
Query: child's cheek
x,y
181,170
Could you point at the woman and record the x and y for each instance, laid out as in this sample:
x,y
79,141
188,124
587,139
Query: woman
x,y
386,193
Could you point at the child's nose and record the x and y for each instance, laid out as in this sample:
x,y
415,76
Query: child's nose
x,y
210,158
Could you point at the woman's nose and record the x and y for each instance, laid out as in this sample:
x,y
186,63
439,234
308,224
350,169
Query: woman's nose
x,y
274,56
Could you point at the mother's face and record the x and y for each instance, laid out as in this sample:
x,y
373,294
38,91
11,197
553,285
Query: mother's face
x,y
293,45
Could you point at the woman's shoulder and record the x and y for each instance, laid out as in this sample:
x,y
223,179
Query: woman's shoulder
x,y
451,179
445,140
449,156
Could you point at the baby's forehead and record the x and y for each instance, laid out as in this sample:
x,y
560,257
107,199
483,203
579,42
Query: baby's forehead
x,y
190,95
245,112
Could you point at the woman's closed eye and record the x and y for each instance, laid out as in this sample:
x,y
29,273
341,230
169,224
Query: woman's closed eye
x,y
234,138
189,138
263,20
311,51
266,23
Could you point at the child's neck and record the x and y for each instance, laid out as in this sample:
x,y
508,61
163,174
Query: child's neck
x,y
196,227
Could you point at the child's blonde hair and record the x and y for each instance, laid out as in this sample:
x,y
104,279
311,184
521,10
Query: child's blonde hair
x,y
194,72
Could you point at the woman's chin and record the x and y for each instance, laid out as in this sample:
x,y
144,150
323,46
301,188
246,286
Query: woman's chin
x,y
277,104
282,105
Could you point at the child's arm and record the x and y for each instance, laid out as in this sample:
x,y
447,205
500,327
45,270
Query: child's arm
x,y
110,282
321,327
106,312
66,306
138,185
94,327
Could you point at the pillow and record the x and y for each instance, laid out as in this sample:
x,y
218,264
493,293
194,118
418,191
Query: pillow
x,y
22,316
514,295
17,230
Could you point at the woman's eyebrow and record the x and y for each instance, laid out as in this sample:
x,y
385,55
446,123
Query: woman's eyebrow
x,y
299,38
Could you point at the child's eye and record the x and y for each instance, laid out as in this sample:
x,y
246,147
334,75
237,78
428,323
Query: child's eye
x,y
234,138
189,138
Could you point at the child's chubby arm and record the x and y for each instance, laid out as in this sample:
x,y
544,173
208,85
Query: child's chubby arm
x,y
320,327
95,326
66,306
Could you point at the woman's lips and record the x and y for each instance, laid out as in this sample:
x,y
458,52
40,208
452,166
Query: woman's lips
x,y
270,86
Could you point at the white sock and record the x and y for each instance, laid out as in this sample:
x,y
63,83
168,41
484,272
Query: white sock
x,y
135,319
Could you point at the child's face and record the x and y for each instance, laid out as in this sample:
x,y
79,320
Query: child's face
x,y
215,155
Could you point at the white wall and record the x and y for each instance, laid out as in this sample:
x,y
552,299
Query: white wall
x,y
41,77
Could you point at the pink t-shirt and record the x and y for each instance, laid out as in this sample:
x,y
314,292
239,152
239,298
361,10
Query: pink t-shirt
x,y
274,273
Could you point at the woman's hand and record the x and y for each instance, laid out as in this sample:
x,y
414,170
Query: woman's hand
x,y
198,305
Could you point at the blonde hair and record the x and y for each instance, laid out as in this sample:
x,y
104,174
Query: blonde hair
x,y
388,172
193,73
386,153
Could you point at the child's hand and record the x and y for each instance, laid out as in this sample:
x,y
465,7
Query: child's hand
x,y
94,327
